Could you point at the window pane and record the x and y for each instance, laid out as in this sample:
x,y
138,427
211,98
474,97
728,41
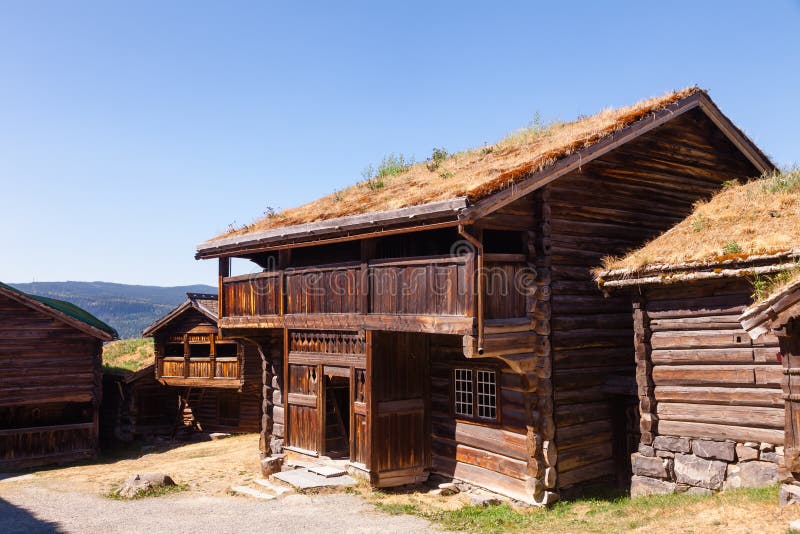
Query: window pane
x,y
463,392
487,395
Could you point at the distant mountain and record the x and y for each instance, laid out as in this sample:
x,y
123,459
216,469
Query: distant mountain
x,y
127,308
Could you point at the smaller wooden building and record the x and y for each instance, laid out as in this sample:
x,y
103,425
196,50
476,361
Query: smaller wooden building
x,y
713,383
50,380
137,406
217,380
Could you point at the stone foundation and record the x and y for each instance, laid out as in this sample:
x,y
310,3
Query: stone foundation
x,y
702,466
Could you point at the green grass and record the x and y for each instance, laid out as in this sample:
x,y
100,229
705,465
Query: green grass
x,y
127,355
732,247
601,512
158,491
782,182
764,285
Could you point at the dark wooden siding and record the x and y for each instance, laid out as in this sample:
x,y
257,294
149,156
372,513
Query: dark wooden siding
x,y
51,387
608,208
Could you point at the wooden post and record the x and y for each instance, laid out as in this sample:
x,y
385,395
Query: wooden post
x,y
187,353
224,272
648,420
212,354
367,252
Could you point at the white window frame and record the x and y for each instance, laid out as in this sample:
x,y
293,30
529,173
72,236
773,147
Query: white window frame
x,y
475,394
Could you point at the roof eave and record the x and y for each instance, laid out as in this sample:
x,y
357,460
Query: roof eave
x,y
445,210
176,312
25,299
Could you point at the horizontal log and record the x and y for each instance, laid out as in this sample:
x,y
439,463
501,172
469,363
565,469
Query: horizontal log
x,y
720,395
751,416
721,432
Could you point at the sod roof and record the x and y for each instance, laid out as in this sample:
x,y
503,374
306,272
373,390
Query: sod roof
x,y
474,174
741,222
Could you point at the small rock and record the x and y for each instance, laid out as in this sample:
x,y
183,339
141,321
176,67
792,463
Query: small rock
x,y
484,500
773,457
272,464
435,491
218,435
643,486
790,494
649,467
732,480
646,450
665,454
795,525
754,444
143,482
696,471
670,443
448,488
714,450
746,453
699,491
766,446
682,488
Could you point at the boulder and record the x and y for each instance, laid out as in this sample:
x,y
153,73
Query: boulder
x,y
698,491
758,474
643,486
140,483
714,450
745,453
732,479
272,464
696,471
647,466
673,444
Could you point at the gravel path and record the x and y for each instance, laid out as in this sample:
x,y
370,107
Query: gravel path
x,y
27,508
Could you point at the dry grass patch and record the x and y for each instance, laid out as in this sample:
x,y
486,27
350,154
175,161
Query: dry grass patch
x,y
477,173
758,217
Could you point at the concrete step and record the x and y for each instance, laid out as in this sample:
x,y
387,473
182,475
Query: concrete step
x,y
250,492
276,489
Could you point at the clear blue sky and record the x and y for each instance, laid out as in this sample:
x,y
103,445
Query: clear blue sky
x,y
131,131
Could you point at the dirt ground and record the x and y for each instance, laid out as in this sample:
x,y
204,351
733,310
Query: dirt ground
x,y
75,499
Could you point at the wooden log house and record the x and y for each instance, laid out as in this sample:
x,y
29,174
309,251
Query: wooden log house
x,y
779,315
137,406
50,380
448,316
714,392
218,379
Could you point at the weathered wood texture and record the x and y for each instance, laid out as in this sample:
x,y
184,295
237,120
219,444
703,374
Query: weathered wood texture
x,y
701,375
790,350
220,380
494,456
137,408
50,389
610,207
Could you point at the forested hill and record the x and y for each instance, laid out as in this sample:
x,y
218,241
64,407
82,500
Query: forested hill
x,y
128,308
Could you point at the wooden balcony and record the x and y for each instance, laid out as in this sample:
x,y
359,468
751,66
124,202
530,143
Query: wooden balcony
x,y
429,294
200,372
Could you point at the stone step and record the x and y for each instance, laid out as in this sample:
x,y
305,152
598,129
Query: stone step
x,y
250,492
278,490
327,471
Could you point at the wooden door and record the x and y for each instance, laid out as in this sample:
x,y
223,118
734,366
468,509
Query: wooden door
x,y
304,417
400,445
359,449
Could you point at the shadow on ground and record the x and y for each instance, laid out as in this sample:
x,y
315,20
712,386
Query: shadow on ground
x,y
16,520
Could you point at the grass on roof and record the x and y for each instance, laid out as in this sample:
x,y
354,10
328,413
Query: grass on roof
x,y
761,216
399,182
127,355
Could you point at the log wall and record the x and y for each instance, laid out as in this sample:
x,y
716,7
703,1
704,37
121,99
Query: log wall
x,y
607,208
709,380
51,389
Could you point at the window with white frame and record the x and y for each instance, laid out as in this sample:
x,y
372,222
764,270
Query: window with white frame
x,y
475,393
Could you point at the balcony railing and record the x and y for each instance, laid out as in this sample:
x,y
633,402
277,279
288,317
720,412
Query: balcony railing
x,y
414,286
195,368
